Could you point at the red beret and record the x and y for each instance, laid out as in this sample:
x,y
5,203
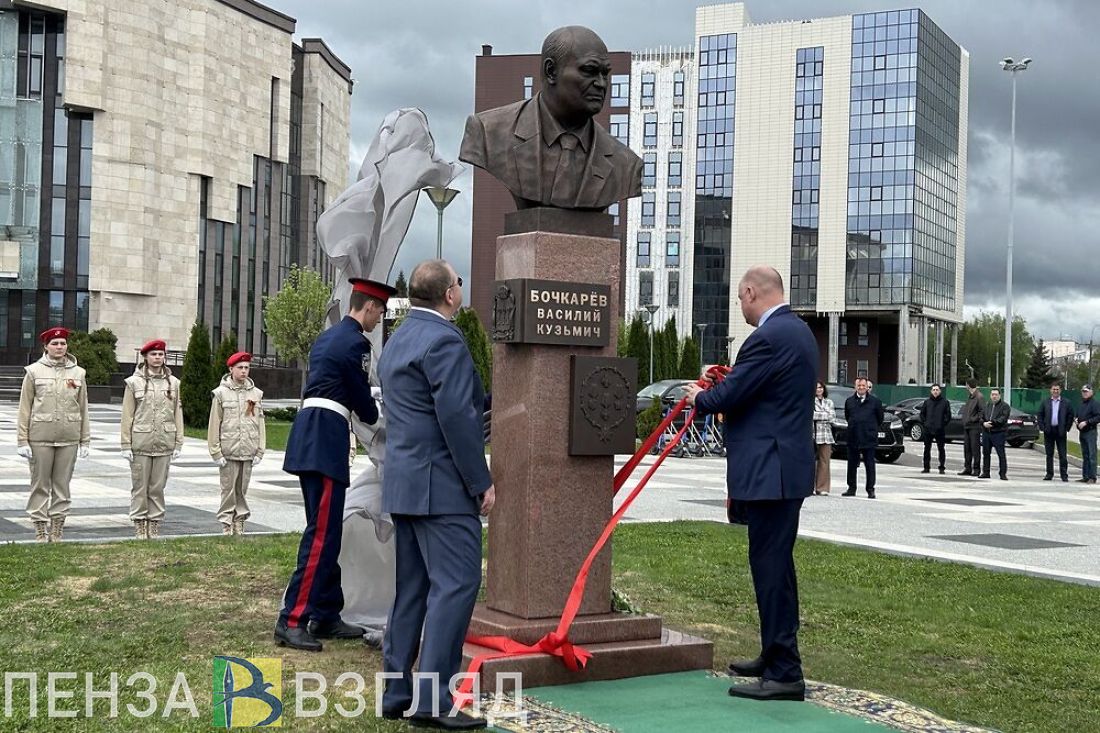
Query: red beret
x,y
238,358
381,291
154,345
53,333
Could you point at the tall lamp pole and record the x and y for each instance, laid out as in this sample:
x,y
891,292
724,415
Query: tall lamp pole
x,y
652,308
440,196
702,330
1013,67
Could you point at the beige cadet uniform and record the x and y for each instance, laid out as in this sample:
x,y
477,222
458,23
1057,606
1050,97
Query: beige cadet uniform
x,y
152,427
237,433
53,421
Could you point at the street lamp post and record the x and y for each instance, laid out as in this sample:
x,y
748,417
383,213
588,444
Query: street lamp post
x,y
1013,67
702,330
440,196
652,308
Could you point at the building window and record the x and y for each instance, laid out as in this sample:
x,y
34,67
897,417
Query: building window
x,y
672,214
672,249
673,289
644,241
649,170
620,128
613,209
649,208
649,85
864,339
82,311
56,313
842,371
806,177
862,368
843,333
620,90
675,169
678,89
650,130
528,87
645,287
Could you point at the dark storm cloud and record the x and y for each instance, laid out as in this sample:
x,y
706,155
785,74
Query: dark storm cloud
x,y
422,54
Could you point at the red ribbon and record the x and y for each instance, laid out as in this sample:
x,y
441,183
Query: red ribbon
x,y
557,643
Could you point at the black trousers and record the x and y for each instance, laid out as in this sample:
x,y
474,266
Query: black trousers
x,y
991,441
972,449
773,527
939,436
314,592
1052,440
868,456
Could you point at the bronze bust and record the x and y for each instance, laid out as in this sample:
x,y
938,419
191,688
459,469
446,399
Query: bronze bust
x,y
547,150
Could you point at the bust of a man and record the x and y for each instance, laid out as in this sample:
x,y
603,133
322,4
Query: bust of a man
x,y
547,150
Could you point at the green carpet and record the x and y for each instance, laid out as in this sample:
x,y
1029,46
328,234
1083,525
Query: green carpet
x,y
697,702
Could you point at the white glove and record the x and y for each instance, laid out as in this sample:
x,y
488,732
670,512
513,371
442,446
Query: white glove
x,y
256,460
128,455
175,455
24,451
376,393
223,462
82,452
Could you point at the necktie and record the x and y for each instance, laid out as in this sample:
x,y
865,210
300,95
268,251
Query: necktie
x,y
567,177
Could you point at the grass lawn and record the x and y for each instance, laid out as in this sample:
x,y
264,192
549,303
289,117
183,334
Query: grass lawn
x,y
277,433
1005,651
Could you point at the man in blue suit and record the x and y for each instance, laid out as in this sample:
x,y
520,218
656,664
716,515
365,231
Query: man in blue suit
x,y
317,452
768,407
435,484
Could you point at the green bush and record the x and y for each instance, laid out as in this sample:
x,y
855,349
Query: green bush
x,y
285,414
198,378
95,352
478,342
226,349
648,419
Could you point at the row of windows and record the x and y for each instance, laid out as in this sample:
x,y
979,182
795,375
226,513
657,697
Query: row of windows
x,y
672,209
645,288
675,170
672,249
649,88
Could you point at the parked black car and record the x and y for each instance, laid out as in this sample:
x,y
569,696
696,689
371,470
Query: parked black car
x,y
1022,427
891,438
666,390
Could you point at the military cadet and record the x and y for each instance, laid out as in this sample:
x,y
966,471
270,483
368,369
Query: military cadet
x,y
317,452
53,428
152,436
237,437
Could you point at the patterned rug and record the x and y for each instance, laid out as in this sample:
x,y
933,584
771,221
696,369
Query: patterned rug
x,y
542,716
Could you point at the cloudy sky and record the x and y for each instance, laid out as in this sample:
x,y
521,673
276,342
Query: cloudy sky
x,y
422,54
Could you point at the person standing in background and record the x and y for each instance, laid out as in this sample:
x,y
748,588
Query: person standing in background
x,y
1086,425
972,430
236,436
824,412
863,413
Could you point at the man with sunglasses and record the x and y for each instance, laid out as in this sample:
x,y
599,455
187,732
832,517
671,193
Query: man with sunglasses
x,y
317,452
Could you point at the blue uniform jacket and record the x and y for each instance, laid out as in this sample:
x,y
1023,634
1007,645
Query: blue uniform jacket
x,y
768,403
320,438
433,403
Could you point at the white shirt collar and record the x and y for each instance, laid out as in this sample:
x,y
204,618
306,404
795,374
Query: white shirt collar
x,y
430,310
768,314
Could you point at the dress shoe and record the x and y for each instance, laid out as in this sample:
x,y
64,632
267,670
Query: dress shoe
x,y
459,721
965,473
335,630
747,667
1048,478
942,469
770,690
1082,481
1065,479
373,638
296,638
926,470
983,475
1092,480
1004,478
849,492
392,714
870,493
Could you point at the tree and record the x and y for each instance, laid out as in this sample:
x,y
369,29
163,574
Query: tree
x,y
637,346
401,284
667,351
981,343
1038,374
295,316
621,340
478,343
198,377
690,367
226,349
95,352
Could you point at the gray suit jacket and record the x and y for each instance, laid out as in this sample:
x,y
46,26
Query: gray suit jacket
x,y
507,143
433,402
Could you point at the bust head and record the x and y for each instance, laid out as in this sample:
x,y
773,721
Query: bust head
x,y
576,74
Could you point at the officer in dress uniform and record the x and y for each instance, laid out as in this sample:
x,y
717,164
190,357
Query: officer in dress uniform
x,y
317,452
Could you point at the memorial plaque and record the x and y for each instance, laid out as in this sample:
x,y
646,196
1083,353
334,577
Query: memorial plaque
x,y
528,311
603,393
